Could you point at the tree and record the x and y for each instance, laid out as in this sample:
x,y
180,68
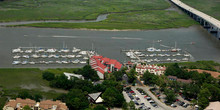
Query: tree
x,y
150,78
203,102
48,76
170,95
113,98
205,93
125,106
99,107
26,107
131,75
89,73
37,97
131,105
24,94
76,100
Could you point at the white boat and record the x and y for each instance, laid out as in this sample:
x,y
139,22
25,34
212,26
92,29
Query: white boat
x,y
46,62
78,56
40,50
16,56
16,62
63,56
141,55
65,50
25,56
70,56
186,55
44,56
56,56
35,56
28,51
82,62
151,49
83,52
173,59
51,56
157,50
32,62
65,62
178,54
59,62
75,61
168,59
24,62
85,58
137,52
185,59
51,62
42,62
52,50
75,50
17,50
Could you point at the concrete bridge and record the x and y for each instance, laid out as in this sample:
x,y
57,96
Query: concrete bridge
x,y
208,22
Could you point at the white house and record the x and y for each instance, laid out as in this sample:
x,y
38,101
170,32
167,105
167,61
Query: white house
x,y
157,70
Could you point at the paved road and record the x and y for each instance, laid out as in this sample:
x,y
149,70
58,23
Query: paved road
x,y
208,18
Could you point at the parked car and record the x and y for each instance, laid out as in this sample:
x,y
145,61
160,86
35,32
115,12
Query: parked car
x,y
185,105
173,105
148,98
154,105
151,101
142,104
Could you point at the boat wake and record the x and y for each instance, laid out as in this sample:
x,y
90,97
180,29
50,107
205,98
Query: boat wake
x,y
126,38
66,36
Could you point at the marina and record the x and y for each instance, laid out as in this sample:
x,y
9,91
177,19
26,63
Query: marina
x,y
193,40
49,56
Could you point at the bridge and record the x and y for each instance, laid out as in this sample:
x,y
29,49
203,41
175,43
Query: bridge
x,y
208,22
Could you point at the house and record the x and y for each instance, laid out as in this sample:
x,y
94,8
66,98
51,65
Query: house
x,y
104,65
70,75
157,70
129,65
19,103
95,97
174,78
213,106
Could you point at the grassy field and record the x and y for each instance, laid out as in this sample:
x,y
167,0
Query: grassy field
x,y
210,7
24,10
154,19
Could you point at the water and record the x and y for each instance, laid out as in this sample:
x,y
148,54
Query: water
x,y
108,43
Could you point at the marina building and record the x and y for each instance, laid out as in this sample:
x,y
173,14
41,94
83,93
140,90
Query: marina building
x,y
104,65
157,70
19,103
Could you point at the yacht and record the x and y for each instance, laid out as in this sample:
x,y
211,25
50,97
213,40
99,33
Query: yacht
x,y
40,50
35,56
59,62
185,59
83,52
32,62
70,56
151,49
25,56
75,50
65,50
137,52
16,56
186,55
24,62
28,51
85,58
16,62
52,50
178,54
76,61
82,62
168,59
17,50
44,56
78,56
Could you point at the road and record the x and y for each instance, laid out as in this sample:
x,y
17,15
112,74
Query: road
x,y
208,18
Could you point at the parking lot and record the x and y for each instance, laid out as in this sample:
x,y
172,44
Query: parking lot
x,y
141,100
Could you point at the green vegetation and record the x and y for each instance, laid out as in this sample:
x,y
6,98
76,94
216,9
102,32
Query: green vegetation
x,y
210,7
205,65
24,10
154,19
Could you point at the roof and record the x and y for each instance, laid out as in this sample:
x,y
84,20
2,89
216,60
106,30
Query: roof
x,y
173,77
46,104
213,106
23,102
180,80
95,96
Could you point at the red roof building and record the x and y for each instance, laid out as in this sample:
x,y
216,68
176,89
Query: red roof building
x,y
157,70
104,65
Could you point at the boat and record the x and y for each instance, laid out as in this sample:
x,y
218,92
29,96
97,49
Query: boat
x,y
76,61
56,56
137,52
186,55
51,56
59,62
44,56
18,50
51,61
65,50
78,56
16,62
25,56
42,62
24,62
52,50
185,59
151,49
82,62
65,62
70,56
35,56
32,62
85,58
63,56
175,49
83,52
16,56
28,51
75,50
40,50
168,59
157,50
178,54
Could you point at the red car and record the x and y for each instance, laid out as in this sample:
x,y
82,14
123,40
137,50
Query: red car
x,y
177,100
131,91
145,96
